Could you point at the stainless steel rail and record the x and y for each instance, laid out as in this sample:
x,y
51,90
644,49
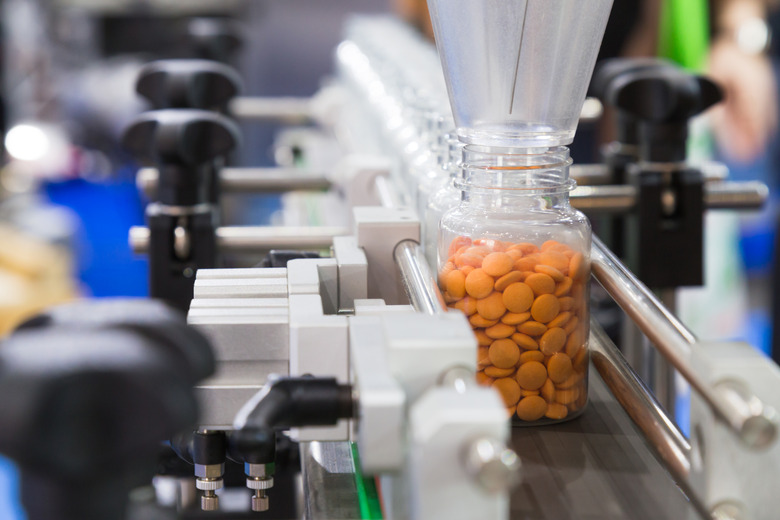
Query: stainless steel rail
x,y
238,239
289,110
755,425
252,180
419,281
666,441
717,195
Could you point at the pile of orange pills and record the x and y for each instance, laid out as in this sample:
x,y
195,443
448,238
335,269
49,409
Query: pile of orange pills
x,y
528,307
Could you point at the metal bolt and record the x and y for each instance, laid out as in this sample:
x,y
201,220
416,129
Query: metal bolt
x,y
209,501
260,502
494,466
458,378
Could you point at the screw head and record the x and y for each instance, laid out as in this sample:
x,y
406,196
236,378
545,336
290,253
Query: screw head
x,y
209,502
260,503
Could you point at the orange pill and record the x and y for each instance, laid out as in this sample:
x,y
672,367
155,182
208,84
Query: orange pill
x,y
467,305
578,268
574,342
571,381
550,271
545,308
478,321
492,307
525,341
483,359
548,391
444,273
497,264
527,263
483,379
515,318
456,284
531,375
479,284
482,339
532,328
563,287
555,259
508,279
549,244
567,303
509,390
500,330
531,355
580,361
518,297
526,393
556,411
567,396
478,250
457,243
499,372
540,283
527,248
531,408
448,298
560,320
466,269
571,324
516,254
468,260
504,353
552,341
559,367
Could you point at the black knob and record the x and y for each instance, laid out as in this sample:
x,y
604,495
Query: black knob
x,y
202,84
609,76
663,101
182,144
91,405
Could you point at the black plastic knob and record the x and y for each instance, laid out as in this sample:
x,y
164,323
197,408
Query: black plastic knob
x,y
201,84
663,101
91,403
182,144
609,76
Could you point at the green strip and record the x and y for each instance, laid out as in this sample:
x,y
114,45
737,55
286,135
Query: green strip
x,y
370,508
684,32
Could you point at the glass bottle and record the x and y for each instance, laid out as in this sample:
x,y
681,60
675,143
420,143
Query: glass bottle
x,y
514,256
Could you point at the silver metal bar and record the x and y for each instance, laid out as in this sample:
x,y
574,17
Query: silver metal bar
x,y
755,426
252,180
590,174
237,239
663,436
388,198
637,400
328,471
418,279
663,373
289,110
717,195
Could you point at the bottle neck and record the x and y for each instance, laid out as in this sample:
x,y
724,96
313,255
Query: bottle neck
x,y
512,177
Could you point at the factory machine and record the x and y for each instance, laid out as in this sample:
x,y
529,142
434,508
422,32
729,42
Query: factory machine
x,y
340,382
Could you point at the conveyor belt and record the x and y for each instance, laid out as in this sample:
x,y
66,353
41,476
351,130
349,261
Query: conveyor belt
x,y
595,467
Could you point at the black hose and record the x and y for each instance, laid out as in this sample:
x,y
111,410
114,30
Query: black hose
x,y
287,403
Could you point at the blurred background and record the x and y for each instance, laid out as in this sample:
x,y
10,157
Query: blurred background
x,y
68,193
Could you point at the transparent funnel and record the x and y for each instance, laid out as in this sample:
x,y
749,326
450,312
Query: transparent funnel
x,y
517,70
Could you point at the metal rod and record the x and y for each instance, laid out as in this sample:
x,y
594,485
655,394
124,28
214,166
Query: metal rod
x,y
756,426
418,279
663,436
289,110
236,239
253,180
717,195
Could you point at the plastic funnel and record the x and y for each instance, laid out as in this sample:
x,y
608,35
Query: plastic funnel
x,y
517,70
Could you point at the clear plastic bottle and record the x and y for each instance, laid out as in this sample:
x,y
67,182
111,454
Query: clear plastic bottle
x,y
514,257
445,197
